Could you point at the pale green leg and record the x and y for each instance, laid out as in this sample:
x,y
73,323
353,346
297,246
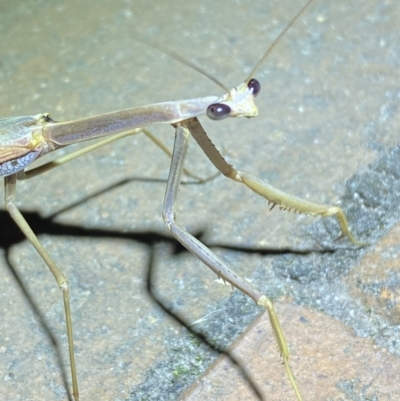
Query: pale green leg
x,y
216,264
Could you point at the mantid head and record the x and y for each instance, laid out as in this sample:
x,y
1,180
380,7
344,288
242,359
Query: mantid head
x,y
239,101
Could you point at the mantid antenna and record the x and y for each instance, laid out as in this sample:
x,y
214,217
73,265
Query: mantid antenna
x,y
178,57
277,39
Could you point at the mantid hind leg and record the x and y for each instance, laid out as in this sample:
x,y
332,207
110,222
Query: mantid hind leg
x,y
10,191
266,190
218,266
10,194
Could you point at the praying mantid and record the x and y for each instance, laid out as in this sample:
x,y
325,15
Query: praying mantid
x,y
26,139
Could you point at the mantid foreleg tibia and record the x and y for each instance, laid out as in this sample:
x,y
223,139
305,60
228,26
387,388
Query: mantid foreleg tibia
x,y
274,196
218,266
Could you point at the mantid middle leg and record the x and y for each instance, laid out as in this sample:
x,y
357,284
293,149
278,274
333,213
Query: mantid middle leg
x,y
217,265
183,131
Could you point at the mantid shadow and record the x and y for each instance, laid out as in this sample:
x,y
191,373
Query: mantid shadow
x,y
198,334
48,225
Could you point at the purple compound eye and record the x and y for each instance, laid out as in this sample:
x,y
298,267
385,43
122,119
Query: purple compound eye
x,y
218,111
255,86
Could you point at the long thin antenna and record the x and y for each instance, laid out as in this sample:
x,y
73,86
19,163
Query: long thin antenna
x,y
279,37
178,57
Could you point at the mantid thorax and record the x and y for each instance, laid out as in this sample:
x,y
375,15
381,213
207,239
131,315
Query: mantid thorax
x,y
22,142
239,102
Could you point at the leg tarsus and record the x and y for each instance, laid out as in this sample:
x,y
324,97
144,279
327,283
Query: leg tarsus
x,y
344,225
292,379
265,302
67,309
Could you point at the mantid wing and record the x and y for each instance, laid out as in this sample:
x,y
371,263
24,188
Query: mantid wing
x,y
15,137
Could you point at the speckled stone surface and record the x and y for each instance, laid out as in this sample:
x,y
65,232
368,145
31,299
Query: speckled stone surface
x,y
148,317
